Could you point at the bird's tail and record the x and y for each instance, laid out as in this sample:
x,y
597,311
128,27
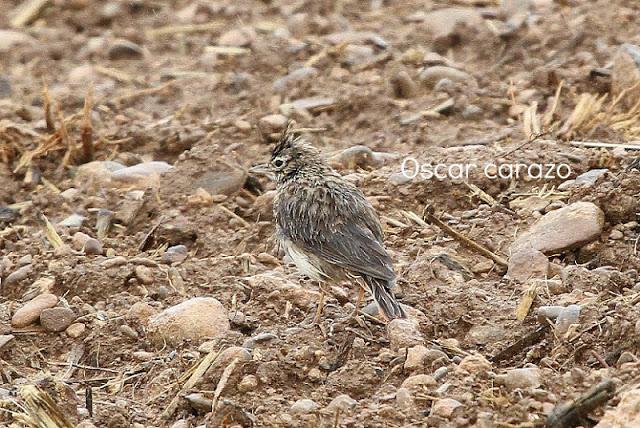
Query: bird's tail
x,y
385,299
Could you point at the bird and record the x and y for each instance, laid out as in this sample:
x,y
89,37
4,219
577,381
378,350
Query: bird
x,y
327,226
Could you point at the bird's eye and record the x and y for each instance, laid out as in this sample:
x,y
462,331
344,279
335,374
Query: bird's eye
x,y
278,163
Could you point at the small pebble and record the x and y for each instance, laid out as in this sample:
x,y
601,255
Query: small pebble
x,y
18,275
440,373
303,406
144,274
567,316
114,262
248,383
4,339
259,338
616,234
128,331
175,254
93,247
75,330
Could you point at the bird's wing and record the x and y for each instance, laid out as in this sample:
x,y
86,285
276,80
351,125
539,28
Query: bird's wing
x,y
347,235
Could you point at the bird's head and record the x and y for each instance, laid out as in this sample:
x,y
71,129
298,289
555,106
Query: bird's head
x,y
291,155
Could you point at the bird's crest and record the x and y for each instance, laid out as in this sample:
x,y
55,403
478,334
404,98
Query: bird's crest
x,y
287,139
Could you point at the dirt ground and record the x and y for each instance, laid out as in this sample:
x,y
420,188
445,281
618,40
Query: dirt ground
x,y
203,87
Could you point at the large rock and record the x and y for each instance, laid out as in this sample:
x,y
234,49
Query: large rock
x,y
626,413
626,74
196,319
563,229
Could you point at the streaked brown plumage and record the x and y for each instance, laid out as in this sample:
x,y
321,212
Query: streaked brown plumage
x,y
326,225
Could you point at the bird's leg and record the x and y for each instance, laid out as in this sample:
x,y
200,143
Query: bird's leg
x,y
358,302
316,319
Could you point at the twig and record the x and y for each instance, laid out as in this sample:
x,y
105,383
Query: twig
x,y
606,145
86,133
527,300
429,217
142,92
234,215
52,236
522,344
28,12
177,29
47,107
223,382
199,371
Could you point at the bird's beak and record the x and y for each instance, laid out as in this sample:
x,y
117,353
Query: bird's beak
x,y
262,169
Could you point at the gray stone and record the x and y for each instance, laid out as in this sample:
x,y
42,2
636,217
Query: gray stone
x,y
590,177
432,75
74,220
303,406
293,77
566,317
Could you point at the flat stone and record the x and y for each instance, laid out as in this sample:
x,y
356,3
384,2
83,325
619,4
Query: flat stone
x,y
446,24
303,406
237,37
483,334
294,77
30,311
141,173
144,274
5,87
590,177
432,75
474,364
563,229
273,123
18,275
